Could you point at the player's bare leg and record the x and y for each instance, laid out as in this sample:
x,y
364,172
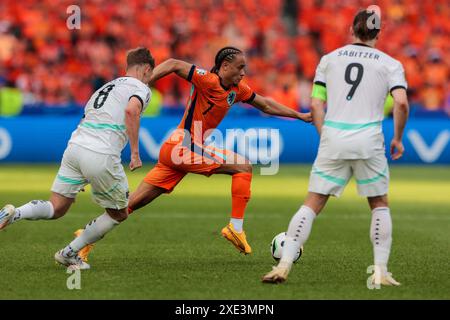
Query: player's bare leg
x,y
143,195
241,173
55,208
381,237
297,234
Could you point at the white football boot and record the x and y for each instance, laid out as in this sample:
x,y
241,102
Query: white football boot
x,y
74,262
382,277
6,214
278,274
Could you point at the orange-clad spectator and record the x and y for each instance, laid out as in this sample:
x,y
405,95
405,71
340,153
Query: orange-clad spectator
x,y
436,72
432,97
52,64
287,95
413,75
447,100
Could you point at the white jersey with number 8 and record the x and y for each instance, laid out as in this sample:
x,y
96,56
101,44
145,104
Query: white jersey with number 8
x,y
102,129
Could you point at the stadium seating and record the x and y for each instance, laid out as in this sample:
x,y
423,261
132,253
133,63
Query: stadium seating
x,y
57,69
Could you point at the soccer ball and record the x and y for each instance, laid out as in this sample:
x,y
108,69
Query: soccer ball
x,y
276,247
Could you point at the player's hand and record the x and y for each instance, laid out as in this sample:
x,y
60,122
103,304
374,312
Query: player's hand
x,y
307,117
135,162
397,149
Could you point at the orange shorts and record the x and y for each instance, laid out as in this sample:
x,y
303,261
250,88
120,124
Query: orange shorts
x,y
176,160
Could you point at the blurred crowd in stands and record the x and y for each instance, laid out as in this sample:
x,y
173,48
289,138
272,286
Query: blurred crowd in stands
x,y
45,66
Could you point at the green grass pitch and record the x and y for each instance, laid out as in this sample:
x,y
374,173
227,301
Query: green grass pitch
x,y
172,249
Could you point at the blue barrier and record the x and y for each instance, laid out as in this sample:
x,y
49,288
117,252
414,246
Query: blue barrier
x,y
43,139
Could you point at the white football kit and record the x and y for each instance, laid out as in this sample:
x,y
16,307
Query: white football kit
x,y
93,152
357,79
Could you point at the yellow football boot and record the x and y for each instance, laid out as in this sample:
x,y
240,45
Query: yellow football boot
x,y
238,239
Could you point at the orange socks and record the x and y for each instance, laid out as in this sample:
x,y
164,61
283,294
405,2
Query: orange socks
x,y
240,192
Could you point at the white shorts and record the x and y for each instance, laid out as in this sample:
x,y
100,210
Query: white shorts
x,y
103,172
329,176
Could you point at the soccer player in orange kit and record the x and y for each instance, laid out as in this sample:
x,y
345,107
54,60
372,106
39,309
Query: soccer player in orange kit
x,y
212,95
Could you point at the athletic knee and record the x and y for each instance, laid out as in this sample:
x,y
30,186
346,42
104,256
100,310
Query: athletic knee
x,y
316,202
248,168
377,202
118,215
244,168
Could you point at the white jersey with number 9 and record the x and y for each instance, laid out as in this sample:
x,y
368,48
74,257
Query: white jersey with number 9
x,y
358,79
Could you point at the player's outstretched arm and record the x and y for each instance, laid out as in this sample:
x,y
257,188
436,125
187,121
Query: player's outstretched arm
x,y
270,106
132,122
318,113
169,66
401,112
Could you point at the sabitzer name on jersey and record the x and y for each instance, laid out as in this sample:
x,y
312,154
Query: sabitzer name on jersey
x,y
358,54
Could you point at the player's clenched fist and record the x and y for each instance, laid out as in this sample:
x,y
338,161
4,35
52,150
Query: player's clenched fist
x,y
307,117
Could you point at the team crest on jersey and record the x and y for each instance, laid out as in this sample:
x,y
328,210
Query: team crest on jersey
x,y
201,72
231,97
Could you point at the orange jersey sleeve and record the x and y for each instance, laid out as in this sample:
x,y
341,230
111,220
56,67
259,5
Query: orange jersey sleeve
x,y
200,78
245,93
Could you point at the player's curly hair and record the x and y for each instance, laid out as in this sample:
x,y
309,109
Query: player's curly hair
x,y
224,54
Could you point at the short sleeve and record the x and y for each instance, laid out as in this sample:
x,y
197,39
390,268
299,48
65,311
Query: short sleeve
x,y
246,93
143,94
396,77
147,100
200,78
320,77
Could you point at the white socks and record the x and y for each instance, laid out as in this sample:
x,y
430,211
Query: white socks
x,y
94,231
237,224
381,236
297,234
301,224
34,210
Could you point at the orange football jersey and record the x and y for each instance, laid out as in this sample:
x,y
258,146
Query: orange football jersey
x,y
208,104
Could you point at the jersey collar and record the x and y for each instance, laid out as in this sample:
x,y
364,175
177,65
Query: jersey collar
x,y
361,44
